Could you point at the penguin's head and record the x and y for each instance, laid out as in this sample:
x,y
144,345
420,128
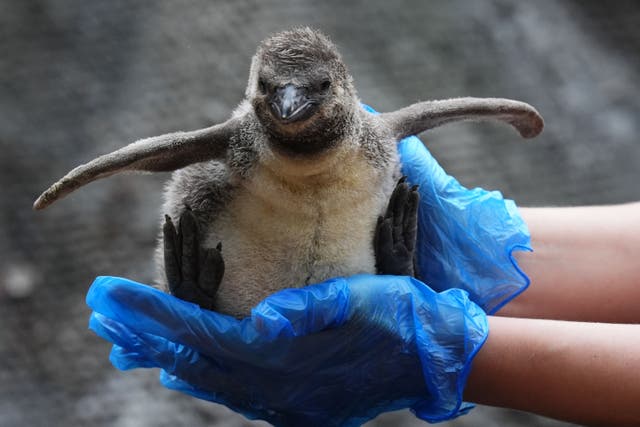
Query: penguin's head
x,y
301,92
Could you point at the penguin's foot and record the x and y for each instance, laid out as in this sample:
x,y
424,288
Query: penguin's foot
x,y
193,273
396,232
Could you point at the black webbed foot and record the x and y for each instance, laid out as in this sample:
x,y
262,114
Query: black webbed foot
x,y
193,272
396,232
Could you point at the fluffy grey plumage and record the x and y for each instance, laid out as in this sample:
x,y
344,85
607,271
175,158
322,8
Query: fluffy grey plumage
x,y
292,184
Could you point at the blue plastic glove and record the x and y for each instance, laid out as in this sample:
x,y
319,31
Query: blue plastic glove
x,y
466,238
333,354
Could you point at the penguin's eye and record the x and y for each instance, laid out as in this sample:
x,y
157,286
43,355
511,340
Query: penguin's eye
x,y
325,85
262,86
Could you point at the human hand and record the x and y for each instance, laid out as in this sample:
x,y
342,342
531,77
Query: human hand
x,y
466,237
336,353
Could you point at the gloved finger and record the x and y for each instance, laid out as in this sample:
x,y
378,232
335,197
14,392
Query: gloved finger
x,y
246,405
364,287
302,311
126,359
128,351
113,331
184,362
141,350
145,309
173,382
287,313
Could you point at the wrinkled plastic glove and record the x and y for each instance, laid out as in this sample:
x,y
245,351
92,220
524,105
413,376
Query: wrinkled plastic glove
x,y
466,237
333,354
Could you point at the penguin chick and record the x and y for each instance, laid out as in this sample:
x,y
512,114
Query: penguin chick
x,y
290,190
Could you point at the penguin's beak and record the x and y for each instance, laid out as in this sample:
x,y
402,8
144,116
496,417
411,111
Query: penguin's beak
x,y
290,103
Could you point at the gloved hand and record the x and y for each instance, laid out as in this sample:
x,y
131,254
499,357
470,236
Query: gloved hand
x,y
466,238
336,353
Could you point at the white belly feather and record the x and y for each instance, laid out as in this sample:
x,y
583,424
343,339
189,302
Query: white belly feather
x,y
275,235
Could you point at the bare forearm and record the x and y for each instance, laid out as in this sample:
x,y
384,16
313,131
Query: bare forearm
x,y
580,372
585,265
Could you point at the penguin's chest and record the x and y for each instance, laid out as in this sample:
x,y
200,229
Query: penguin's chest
x,y
278,238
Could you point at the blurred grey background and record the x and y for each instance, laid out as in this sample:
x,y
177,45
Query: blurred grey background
x,y
80,78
